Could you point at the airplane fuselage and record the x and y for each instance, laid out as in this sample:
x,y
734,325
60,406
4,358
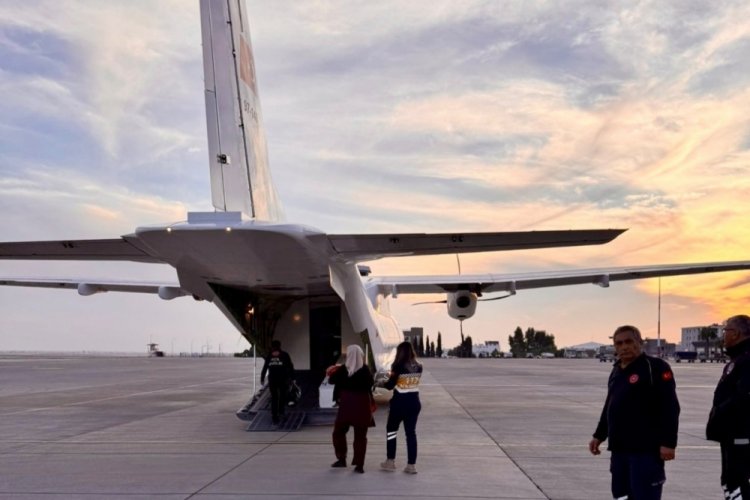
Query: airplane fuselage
x,y
269,278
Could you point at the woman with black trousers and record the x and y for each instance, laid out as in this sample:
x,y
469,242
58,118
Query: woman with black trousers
x,y
404,379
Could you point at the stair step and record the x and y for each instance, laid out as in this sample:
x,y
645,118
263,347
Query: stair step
x,y
263,422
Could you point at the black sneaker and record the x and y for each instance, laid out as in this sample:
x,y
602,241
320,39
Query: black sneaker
x,y
339,463
359,469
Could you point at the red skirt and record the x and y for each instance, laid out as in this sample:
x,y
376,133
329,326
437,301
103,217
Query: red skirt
x,y
354,409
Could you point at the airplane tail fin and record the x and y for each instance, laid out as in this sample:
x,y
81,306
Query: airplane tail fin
x,y
238,157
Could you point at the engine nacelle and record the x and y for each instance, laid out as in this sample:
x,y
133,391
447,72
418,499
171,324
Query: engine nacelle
x,y
461,304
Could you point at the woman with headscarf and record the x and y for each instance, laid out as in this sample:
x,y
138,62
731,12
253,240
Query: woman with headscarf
x,y
406,372
353,382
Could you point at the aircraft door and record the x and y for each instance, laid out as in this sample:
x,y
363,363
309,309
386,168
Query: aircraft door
x,y
325,338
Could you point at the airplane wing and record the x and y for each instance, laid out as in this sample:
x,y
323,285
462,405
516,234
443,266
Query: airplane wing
x,y
124,248
362,247
166,291
489,283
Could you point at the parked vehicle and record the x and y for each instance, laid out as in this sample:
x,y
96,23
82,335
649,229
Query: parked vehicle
x,y
689,356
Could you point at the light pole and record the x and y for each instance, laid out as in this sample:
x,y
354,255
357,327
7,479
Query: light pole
x,y
658,323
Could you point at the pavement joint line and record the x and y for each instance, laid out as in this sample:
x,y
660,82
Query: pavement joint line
x,y
512,386
317,443
158,443
500,447
232,469
254,495
87,494
124,396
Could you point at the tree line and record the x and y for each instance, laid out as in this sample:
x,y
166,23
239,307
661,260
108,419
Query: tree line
x,y
427,349
463,350
532,342
520,344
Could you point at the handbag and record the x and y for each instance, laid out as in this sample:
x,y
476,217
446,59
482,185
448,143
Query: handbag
x,y
373,408
294,393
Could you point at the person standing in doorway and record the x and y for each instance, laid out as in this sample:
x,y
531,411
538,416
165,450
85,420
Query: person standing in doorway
x,y
729,420
640,418
278,365
406,373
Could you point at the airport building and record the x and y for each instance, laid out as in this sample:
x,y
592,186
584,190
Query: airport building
x,y
487,349
691,337
414,333
659,348
586,350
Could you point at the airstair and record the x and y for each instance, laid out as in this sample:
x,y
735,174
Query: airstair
x,y
307,411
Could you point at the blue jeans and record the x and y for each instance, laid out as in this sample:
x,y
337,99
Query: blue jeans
x,y
637,476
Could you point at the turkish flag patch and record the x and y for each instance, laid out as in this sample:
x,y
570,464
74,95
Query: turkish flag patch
x,y
633,378
666,376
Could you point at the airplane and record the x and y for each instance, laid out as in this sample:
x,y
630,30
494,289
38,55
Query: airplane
x,y
279,280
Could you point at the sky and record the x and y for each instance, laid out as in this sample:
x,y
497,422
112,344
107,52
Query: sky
x,y
420,116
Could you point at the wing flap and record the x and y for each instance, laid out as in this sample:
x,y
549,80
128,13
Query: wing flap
x,y
361,247
489,283
109,249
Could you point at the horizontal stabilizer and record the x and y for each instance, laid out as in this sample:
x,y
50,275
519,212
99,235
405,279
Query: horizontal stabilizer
x,y
110,249
361,247
490,283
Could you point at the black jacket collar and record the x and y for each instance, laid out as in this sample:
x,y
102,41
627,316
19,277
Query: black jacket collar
x,y
739,349
632,364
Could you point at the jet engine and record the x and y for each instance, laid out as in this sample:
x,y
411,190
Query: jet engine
x,y
461,304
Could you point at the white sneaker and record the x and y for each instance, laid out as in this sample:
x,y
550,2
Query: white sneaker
x,y
410,469
389,465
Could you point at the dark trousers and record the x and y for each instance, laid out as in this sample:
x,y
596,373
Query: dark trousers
x,y
359,445
637,476
735,471
278,399
404,408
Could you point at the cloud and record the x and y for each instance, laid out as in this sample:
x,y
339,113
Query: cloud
x,y
449,115
65,205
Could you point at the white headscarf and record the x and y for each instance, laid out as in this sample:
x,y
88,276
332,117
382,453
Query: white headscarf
x,y
355,359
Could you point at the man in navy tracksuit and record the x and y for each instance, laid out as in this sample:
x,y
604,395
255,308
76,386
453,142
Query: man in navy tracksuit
x,y
729,421
640,419
278,365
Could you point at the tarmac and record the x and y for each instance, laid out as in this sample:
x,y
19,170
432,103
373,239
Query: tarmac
x,y
138,428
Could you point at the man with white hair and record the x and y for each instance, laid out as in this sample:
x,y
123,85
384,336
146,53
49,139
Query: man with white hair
x,y
640,419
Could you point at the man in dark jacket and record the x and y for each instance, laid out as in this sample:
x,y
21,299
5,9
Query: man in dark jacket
x,y
729,421
640,419
280,371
